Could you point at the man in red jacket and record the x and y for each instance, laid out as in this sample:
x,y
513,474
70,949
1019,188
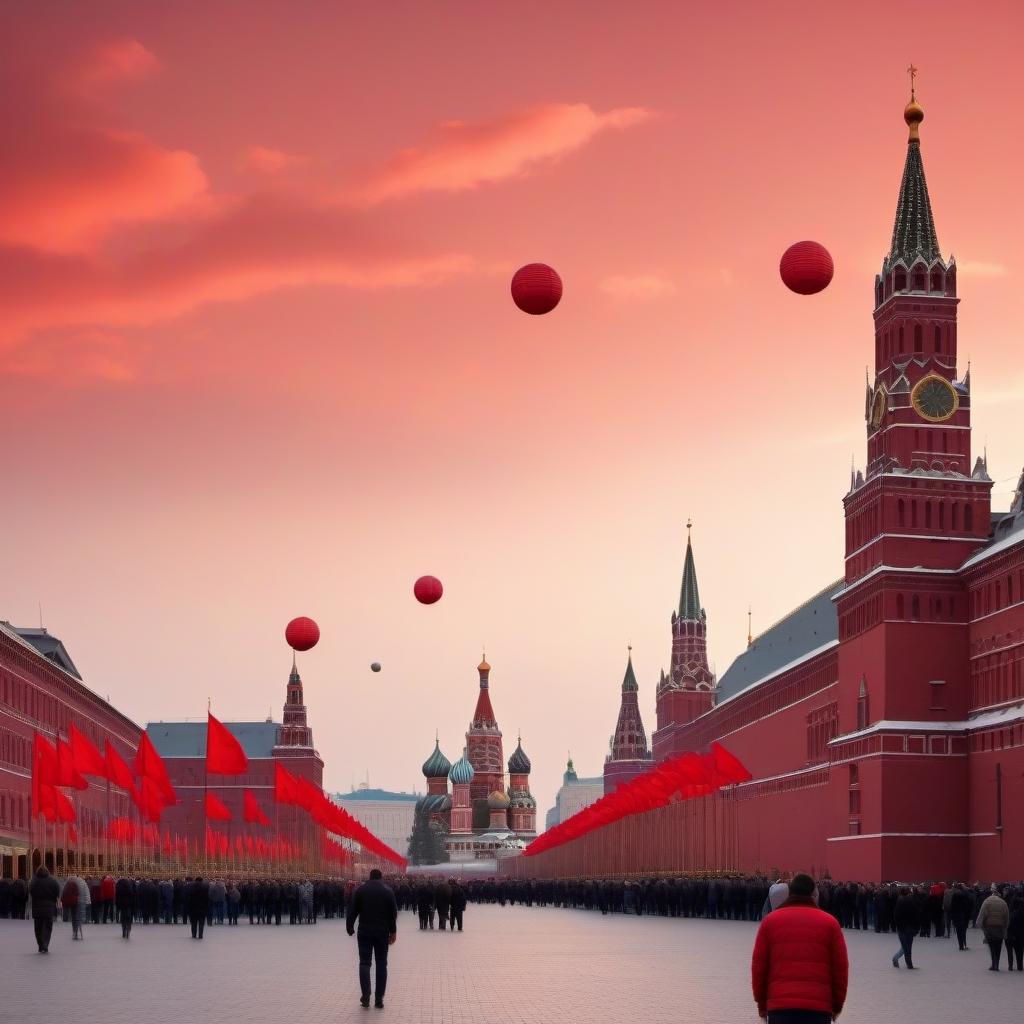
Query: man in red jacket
x,y
799,968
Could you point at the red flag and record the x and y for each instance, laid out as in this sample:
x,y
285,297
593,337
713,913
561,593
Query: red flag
x,y
286,787
88,760
224,754
117,769
149,764
307,794
45,773
69,775
222,844
73,835
65,808
253,813
250,845
149,799
216,809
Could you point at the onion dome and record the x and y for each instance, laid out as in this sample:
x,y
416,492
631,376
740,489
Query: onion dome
x,y
498,801
483,666
523,801
437,766
519,763
462,772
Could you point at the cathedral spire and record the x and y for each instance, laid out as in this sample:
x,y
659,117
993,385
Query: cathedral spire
x,y
689,598
913,233
629,683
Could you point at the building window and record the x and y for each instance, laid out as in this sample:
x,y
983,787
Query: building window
x,y
938,339
938,698
901,286
855,827
927,515
900,512
900,609
901,328
918,336
969,518
913,513
855,801
954,515
915,607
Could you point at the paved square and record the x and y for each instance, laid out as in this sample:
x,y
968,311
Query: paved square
x,y
512,965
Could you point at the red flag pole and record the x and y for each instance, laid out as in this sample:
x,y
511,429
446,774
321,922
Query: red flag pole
x,y
206,786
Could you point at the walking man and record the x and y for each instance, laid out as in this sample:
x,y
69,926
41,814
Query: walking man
x,y
374,907
458,905
799,969
45,892
993,918
906,919
198,902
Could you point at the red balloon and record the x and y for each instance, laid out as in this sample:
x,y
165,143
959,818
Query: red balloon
x,y
428,589
302,633
536,288
806,268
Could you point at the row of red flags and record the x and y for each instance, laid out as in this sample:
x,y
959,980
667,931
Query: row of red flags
x,y
679,778
64,765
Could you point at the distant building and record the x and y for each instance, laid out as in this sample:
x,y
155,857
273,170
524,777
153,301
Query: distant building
x,y
628,754
387,815
573,795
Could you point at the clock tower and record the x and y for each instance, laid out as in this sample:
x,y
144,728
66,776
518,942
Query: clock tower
x,y
916,512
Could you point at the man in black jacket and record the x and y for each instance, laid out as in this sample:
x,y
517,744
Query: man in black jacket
x,y
458,904
906,919
45,892
124,899
197,901
374,906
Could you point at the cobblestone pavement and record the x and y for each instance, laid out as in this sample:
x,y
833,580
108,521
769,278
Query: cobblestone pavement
x,y
512,965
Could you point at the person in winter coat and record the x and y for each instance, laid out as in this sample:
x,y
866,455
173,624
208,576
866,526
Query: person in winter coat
x,y
375,909
425,906
777,895
198,903
443,901
993,919
45,892
234,900
124,898
1015,934
69,898
799,966
84,904
960,910
906,919
458,905
107,892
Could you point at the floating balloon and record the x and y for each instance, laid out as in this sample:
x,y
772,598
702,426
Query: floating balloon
x,y
536,288
806,268
375,667
302,633
428,589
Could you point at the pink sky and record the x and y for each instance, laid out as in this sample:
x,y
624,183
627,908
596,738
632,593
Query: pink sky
x,y
258,358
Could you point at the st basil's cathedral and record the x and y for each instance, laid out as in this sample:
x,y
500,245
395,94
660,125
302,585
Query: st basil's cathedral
x,y
479,818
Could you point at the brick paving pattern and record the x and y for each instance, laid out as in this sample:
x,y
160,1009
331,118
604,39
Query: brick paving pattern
x,y
512,965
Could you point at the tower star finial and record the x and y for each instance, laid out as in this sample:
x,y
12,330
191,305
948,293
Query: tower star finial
x,y
750,633
912,71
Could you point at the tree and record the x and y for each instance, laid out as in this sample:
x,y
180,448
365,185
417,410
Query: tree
x,y
426,844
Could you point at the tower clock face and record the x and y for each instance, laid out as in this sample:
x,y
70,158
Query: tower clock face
x,y
934,399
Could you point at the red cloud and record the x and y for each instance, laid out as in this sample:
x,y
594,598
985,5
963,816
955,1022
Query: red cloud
x,y
113,61
268,160
464,156
258,245
68,178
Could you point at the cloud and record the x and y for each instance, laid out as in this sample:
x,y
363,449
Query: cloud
x,y
269,161
69,178
113,61
464,156
75,358
977,268
639,287
258,245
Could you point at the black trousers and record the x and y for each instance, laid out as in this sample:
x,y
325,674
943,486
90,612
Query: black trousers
x,y
424,919
44,929
442,917
1015,951
373,946
125,917
995,947
799,1017
455,918
960,927
198,922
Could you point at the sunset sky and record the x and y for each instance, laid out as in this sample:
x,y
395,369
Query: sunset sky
x,y
258,357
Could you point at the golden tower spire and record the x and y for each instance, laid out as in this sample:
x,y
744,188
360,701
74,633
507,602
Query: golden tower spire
x,y
913,113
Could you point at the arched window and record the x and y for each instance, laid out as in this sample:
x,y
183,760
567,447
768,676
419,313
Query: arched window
x,y
969,518
900,610
927,515
936,281
901,281
954,513
915,607
942,515
938,338
913,512
919,279
900,512
918,338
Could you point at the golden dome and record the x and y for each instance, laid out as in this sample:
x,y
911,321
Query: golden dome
x,y
913,113
483,666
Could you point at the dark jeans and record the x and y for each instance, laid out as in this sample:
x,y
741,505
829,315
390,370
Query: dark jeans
x,y
906,945
799,1017
373,946
995,947
960,926
1015,951
198,922
424,919
125,916
442,917
456,919
44,929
